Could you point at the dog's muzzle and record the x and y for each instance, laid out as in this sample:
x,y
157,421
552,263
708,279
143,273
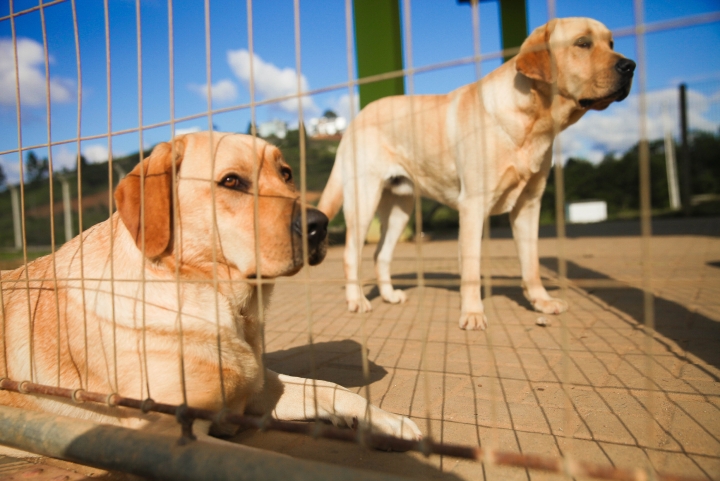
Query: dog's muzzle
x,y
625,69
317,224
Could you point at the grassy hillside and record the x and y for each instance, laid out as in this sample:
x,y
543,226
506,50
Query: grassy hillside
x,y
37,203
320,155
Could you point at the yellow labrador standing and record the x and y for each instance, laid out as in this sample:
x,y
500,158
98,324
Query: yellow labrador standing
x,y
483,149
99,302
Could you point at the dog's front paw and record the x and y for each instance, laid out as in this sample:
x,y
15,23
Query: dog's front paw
x,y
359,305
472,321
396,296
550,306
395,425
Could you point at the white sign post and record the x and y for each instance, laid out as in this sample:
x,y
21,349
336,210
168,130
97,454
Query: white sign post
x,y
17,227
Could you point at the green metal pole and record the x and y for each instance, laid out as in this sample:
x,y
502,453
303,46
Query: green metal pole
x,y
513,23
378,45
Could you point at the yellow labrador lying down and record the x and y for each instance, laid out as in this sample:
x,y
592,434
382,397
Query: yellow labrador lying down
x,y
107,308
483,149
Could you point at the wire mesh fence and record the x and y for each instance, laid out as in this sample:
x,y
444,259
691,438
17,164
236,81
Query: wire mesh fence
x,y
621,386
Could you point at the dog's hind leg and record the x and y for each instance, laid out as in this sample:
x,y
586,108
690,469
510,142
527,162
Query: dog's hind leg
x,y
394,212
359,209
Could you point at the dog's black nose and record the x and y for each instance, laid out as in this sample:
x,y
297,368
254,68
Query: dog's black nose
x,y
317,223
625,66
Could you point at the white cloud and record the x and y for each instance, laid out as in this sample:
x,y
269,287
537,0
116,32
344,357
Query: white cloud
x,y
64,158
270,81
31,72
618,128
11,168
222,91
95,153
341,106
187,130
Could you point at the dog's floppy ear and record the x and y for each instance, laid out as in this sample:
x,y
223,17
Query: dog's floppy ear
x,y
533,60
157,173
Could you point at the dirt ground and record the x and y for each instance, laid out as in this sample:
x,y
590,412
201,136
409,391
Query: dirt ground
x,y
584,386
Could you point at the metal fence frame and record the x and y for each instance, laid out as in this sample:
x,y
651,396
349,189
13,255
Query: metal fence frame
x,y
21,422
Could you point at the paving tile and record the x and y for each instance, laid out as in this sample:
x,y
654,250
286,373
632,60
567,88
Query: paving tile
x,y
709,465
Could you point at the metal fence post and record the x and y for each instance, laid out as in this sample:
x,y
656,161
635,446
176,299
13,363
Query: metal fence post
x,y
67,208
685,152
670,161
378,47
17,227
513,20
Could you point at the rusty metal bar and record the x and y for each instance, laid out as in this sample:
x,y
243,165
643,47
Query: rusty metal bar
x,y
14,433
369,281
156,456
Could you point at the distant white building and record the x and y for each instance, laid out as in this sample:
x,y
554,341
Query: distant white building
x,y
326,126
276,127
584,212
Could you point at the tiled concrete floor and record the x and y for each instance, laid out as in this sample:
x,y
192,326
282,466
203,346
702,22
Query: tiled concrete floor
x,y
14,469
583,386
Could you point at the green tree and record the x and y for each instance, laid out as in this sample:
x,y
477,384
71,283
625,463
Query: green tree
x,y
36,169
704,149
616,178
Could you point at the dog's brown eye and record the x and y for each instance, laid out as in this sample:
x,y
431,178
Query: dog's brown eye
x,y
583,42
234,182
286,173
612,45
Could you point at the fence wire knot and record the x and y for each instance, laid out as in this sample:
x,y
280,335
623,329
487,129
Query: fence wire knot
x,y
22,387
111,400
221,417
362,436
317,429
569,466
426,446
265,422
147,405
186,421
489,456
75,396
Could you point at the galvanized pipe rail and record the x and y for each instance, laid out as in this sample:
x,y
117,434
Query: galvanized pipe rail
x,y
157,456
185,415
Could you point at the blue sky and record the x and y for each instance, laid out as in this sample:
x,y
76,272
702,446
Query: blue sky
x,y
441,31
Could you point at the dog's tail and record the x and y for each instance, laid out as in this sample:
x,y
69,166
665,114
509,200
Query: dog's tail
x,y
332,196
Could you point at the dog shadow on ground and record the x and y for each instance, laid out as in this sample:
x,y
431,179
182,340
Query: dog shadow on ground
x,y
339,362
335,361
690,330
451,282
